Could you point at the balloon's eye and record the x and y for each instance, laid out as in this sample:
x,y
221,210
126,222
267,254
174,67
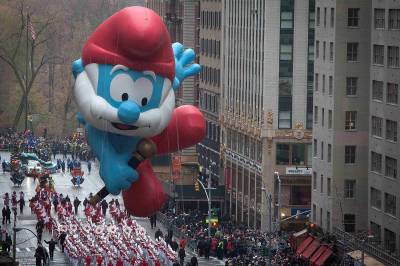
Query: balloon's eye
x,y
144,101
124,96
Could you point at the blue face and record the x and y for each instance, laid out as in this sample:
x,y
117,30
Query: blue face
x,y
131,92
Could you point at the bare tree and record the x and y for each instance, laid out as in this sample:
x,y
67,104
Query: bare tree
x,y
25,62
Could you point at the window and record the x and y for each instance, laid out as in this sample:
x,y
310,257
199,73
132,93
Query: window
x,y
322,183
322,150
323,83
316,81
351,120
379,54
320,216
393,56
315,148
331,51
328,221
315,114
352,17
322,117
377,90
314,214
392,93
376,231
329,153
332,17
282,154
351,86
324,50
391,130
286,52
379,17
394,19
352,51
350,154
314,180
317,49
298,154
325,14
390,204
349,221
390,167
349,188
376,198
330,119
390,240
286,20
376,162
318,16
328,187
330,91
376,126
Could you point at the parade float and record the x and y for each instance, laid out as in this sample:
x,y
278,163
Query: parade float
x,y
77,175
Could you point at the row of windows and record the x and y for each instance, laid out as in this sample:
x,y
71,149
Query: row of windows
x,y
332,17
210,75
392,91
349,186
244,144
393,19
389,242
293,154
377,128
349,219
324,44
323,83
209,102
389,204
350,122
213,131
392,58
390,164
210,20
210,48
349,152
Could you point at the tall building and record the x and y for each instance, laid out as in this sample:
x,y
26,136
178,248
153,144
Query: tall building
x,y
267,60
210,88
340,131
384,148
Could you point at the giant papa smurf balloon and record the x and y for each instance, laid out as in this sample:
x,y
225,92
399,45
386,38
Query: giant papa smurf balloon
x,y
125,92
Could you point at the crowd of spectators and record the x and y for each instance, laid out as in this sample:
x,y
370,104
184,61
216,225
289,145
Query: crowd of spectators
x,y
237,245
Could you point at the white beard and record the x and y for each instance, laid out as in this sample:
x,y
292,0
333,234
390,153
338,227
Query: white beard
x,y
100,114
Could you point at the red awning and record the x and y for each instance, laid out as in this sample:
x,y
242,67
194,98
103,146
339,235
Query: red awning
x,y
304,245
321,260
317,254
310,249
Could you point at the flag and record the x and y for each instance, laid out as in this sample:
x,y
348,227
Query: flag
x,y
31,29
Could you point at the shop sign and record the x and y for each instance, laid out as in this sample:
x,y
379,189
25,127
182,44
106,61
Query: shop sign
x,y
298,171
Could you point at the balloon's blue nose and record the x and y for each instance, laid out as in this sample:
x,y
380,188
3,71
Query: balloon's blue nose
x,y
128,112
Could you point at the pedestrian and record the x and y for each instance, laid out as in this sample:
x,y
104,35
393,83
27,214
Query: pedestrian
x,y
193,261
62,238
15,216
174,245
158,234
39,255
4,214
89,167
39,230
77,202
85,202
4,165
104,206
182,255
8,215
117,203
8,242
52,246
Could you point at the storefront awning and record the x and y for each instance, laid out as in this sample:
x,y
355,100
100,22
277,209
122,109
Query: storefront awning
x,y
310,249
304,245
322,259
317,254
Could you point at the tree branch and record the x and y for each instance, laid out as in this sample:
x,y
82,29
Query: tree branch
x,y
15,69
21,29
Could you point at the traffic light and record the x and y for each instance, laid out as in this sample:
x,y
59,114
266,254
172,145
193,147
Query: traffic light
x,y
196,186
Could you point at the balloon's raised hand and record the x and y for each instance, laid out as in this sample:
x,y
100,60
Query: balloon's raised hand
x,y
184,66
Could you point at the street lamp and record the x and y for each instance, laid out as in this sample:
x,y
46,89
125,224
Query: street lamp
x,y
207,191
15,230
276,175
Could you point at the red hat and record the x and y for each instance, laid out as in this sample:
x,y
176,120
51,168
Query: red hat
x,y
135,37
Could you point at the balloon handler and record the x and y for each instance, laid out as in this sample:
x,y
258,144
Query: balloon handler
x,y
125,86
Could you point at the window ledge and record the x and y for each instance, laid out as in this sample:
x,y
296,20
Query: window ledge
x,y
375,172
379,28
376,208
392,104
353,62
390,215
394,179
352,96
353,27
393,29
391,141
350,164
350,130
377,137
394,67
378,65
377,101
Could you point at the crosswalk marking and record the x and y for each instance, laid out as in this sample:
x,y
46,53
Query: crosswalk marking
x,y
18,250
27,249
58,249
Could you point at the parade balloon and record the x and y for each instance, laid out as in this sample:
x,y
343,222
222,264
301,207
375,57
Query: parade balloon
x,y
125,86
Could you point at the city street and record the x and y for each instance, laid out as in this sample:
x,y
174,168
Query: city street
x,y
26,241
